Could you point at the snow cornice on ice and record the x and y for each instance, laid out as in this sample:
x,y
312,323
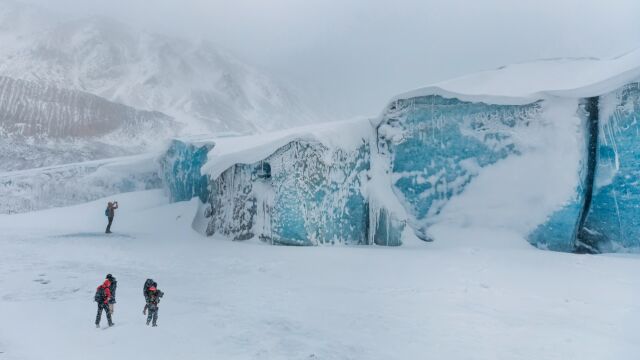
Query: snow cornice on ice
x,y
228,151
525,83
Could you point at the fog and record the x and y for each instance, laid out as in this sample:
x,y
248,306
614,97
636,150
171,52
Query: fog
x,y
346,58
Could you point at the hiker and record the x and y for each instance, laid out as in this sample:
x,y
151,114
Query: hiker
x,y
112,289
103,294
153,299
145,289
110,212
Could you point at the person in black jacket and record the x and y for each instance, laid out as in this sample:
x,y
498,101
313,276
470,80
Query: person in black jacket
x,y
112,288
110,212
153,299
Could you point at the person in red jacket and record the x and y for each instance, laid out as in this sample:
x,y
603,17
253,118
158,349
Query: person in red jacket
x,y
103,294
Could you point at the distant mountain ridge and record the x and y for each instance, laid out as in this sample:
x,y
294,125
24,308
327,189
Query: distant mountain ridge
x,y
197,84
94,80
32,109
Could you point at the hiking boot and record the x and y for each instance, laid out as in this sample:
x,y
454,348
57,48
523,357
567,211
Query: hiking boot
x,y
148,322
111,324
97,326
154,325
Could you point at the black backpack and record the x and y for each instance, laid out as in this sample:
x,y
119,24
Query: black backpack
x,y
147,285
99,297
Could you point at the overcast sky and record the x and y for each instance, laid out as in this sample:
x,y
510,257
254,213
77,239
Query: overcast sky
x,y
348,57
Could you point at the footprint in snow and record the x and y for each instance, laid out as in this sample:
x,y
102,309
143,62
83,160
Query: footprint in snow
x,y
42,280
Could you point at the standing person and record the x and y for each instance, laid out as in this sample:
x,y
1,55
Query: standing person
x,y
102,298
153,300
110,212
112,289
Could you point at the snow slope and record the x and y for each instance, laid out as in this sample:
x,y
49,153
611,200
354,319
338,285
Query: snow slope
x,y
476,295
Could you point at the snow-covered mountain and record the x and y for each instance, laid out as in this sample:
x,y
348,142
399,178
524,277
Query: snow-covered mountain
x,y
67,82
31,109
44,125
199,85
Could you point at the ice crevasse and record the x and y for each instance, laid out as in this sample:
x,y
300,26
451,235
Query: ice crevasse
x,y
546,149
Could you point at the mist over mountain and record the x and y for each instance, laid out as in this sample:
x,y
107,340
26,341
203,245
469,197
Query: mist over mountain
x,y
82,67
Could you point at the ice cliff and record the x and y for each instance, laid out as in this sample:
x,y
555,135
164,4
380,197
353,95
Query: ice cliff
x,y
543,149
180,169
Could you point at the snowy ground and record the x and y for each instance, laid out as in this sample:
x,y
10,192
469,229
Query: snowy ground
x,y
470,295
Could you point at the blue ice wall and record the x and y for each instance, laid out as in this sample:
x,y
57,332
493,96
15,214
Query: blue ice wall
x,y
431,148
180,168
303,194
436,146
559,231
613,221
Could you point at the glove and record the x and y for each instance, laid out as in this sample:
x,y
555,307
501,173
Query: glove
x,y
144,311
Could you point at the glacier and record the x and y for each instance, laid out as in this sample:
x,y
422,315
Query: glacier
x,y
180,169
437,145
70,184
307,186
613,222
496,150
304,193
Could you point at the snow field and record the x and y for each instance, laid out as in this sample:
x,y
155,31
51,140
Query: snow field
x,y
474,294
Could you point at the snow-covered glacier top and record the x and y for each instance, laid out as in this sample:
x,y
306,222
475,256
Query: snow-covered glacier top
x,y
347,135
526,82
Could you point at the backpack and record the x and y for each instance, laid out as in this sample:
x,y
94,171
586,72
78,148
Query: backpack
x,y
99,296
147,285
106,212
154,300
